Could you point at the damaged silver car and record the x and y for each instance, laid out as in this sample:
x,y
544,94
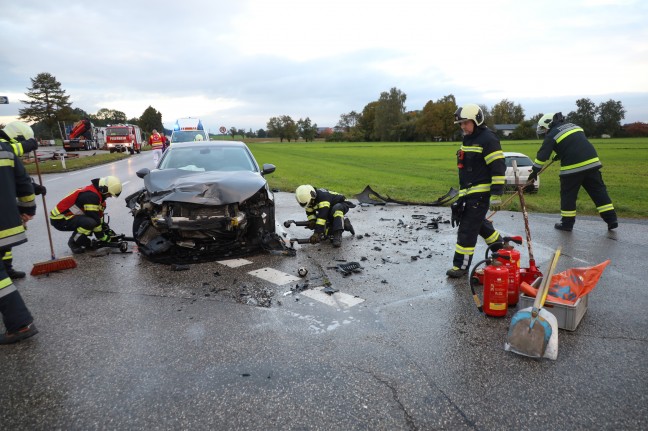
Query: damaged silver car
x,y
204,201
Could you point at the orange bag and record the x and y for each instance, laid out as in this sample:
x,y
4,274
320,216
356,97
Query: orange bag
x,y
567,286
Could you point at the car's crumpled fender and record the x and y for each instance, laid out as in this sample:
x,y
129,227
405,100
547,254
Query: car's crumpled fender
x,y
206,188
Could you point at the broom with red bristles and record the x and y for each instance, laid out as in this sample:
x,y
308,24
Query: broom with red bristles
x,y
55,264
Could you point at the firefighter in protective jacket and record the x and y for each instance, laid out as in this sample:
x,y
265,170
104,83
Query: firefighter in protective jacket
x,y
17,201
325,212
481,180
579,166
82,212
20,137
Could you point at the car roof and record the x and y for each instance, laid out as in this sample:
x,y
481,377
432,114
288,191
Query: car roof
x,y
208,144
511,154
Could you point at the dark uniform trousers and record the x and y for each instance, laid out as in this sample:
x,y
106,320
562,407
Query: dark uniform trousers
x,y
14,312
85,223
473,224
592,181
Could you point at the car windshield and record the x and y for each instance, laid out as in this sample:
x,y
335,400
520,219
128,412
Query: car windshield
x,y
522,161
117,131
208,159
188,136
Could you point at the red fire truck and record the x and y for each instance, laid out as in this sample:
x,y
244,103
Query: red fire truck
x,y
124,137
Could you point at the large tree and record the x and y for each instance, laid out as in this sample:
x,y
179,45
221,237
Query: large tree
x,y
367,120
150,119
46,99
610,115
507,112
307,130
585,116
437,119
283,127
389,115
106,116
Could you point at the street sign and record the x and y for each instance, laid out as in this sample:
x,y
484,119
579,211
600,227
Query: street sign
x,y
223,130
4,100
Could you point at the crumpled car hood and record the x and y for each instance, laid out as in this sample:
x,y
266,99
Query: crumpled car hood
x,y
206,188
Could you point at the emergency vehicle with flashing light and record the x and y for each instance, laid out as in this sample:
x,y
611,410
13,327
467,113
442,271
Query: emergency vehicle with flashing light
x,y
188,129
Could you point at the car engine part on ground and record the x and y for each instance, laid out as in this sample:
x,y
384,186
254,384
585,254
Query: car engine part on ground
x,y
369,196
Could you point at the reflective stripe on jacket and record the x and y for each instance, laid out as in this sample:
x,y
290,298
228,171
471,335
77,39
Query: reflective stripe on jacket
x,y
575,152
16,197
85,201
481,163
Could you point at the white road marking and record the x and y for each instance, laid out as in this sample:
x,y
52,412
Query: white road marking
x,y
274,276
234,263
53,179
337,300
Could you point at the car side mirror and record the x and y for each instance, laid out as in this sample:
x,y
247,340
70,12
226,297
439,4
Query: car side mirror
x,y
268,168
143,172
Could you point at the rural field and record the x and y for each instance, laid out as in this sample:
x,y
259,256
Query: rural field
x,y
420,171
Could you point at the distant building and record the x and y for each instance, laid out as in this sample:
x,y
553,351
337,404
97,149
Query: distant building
x,y
505,129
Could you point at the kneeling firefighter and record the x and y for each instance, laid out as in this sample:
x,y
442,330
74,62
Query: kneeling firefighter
x,y
82,212
325,212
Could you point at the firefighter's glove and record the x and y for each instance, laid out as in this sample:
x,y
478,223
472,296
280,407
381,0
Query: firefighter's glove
x,y
39,190
315,238
457,208
533,175
495,203
311,225
29,145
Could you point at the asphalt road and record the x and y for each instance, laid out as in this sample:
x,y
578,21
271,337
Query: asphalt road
x,y
127,344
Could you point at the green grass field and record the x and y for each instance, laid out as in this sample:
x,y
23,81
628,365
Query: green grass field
x,y
424,171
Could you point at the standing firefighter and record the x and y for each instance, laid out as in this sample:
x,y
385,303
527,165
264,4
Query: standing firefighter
x,y
579,166
82,212
325,213
481,180
18,204
20,137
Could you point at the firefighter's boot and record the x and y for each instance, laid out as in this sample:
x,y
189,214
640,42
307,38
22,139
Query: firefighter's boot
x,y
13,274
337,238
75,243
456,272
348,226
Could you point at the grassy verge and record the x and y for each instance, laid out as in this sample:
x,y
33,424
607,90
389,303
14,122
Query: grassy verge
x,y
420,171
424,171
56,166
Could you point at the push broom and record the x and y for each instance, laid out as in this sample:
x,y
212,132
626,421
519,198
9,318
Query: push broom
x,y
55,264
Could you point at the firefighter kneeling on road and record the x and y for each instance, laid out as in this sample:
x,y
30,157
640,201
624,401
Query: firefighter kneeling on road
x,y
325,213
481,180
82,212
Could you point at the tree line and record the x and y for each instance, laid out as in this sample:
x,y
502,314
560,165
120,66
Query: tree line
x,y
48,106
385,119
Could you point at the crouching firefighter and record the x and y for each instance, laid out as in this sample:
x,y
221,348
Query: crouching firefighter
x,y
325,212
481,180
81,212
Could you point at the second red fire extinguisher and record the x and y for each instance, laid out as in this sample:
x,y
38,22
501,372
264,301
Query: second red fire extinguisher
x,y
496,285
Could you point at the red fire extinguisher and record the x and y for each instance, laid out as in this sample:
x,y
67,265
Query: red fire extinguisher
x,y
510,258
495,281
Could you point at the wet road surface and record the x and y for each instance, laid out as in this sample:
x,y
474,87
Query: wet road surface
x,y
128,344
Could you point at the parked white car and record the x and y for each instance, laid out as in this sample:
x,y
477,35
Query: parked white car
x,y
524,164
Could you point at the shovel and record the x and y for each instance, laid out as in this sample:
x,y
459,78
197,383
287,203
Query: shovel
x,y
534,330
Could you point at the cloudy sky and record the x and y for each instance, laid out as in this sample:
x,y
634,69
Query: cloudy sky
x,y
237,63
